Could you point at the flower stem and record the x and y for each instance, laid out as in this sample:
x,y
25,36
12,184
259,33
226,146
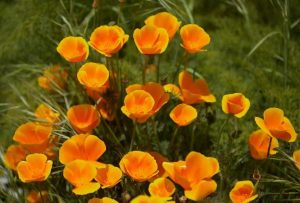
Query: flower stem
x,y
146,60
269,147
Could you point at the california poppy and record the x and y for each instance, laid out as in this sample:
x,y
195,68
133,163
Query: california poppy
x,y
53,77
147,199
201,190
296,157
242,192
13,155
236,104
45,113
183,114
102,200
108,176
162,187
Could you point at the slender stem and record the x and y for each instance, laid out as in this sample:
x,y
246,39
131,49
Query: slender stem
x,y
134,132
113,135
173,137
286,37
269,147
192,138
221,130
146,60
157,68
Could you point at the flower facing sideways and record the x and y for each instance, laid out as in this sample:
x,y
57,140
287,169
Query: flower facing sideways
x,y
236,104
13,155
296,157
243,192
44,112
183,114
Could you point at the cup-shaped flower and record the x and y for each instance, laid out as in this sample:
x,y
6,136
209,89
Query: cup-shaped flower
x,y
159,158
183,114
151,40
296,157
277,125
162,187
147,199
108,40
13,155
236,104
194,38
83,117
243,192
259,144
108,176
32,133
81,147
73,49
201,190
45,113
35,168
53,77
80,174
143,101
37,197
102,200
166,21
140,166
93,75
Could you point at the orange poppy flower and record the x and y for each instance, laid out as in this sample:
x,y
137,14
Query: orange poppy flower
x,y
108,176
159,160
296,157
108,40
143,101
35,168
259,144
151,39
102,200
140,166
53,77
32,133
183,114
37,197
93,75
162,187
242,192
73,49
277,125
83,117
166,21
83,147
14,154
147,199
80,174
44,112
201,190
236,104
194,38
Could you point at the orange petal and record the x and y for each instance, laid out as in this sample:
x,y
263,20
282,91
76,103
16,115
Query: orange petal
x,y
102,200
14,154
86,188
236,104
201,190
183,114
161,187
108,176
296,157
243,191
46,113
273,117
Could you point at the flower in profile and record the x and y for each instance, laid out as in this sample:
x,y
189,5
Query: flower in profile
x,y
147,199
242,192
140,166
151,39
81,147
108,176
277,125
45,113
236,104
37,197
194,175
183,114
159,158
108,40
143,101
32,133
93,75
80,174
259,144
166,21
162,187
194,38
83,117
35,168
53,77
13,155
296,157
102,200
73,49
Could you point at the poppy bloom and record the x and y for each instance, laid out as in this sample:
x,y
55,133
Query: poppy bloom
x,y
44,112
201,190
277,125
73,49
236,104
83,147
143,101
162,187
53,77
194,38
140,166
296,157
13,155
159,160
242,192
166,21
183,114
93,75
102,200
108,40
37,197
35,168
147,199
80,174
259,144
151,39
108,176
83,117
32,133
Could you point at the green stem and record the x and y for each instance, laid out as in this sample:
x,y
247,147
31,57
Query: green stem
x,y
192,138
286,37
173,138
157,69
146,60
269,147
221,130
134,132
116,140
